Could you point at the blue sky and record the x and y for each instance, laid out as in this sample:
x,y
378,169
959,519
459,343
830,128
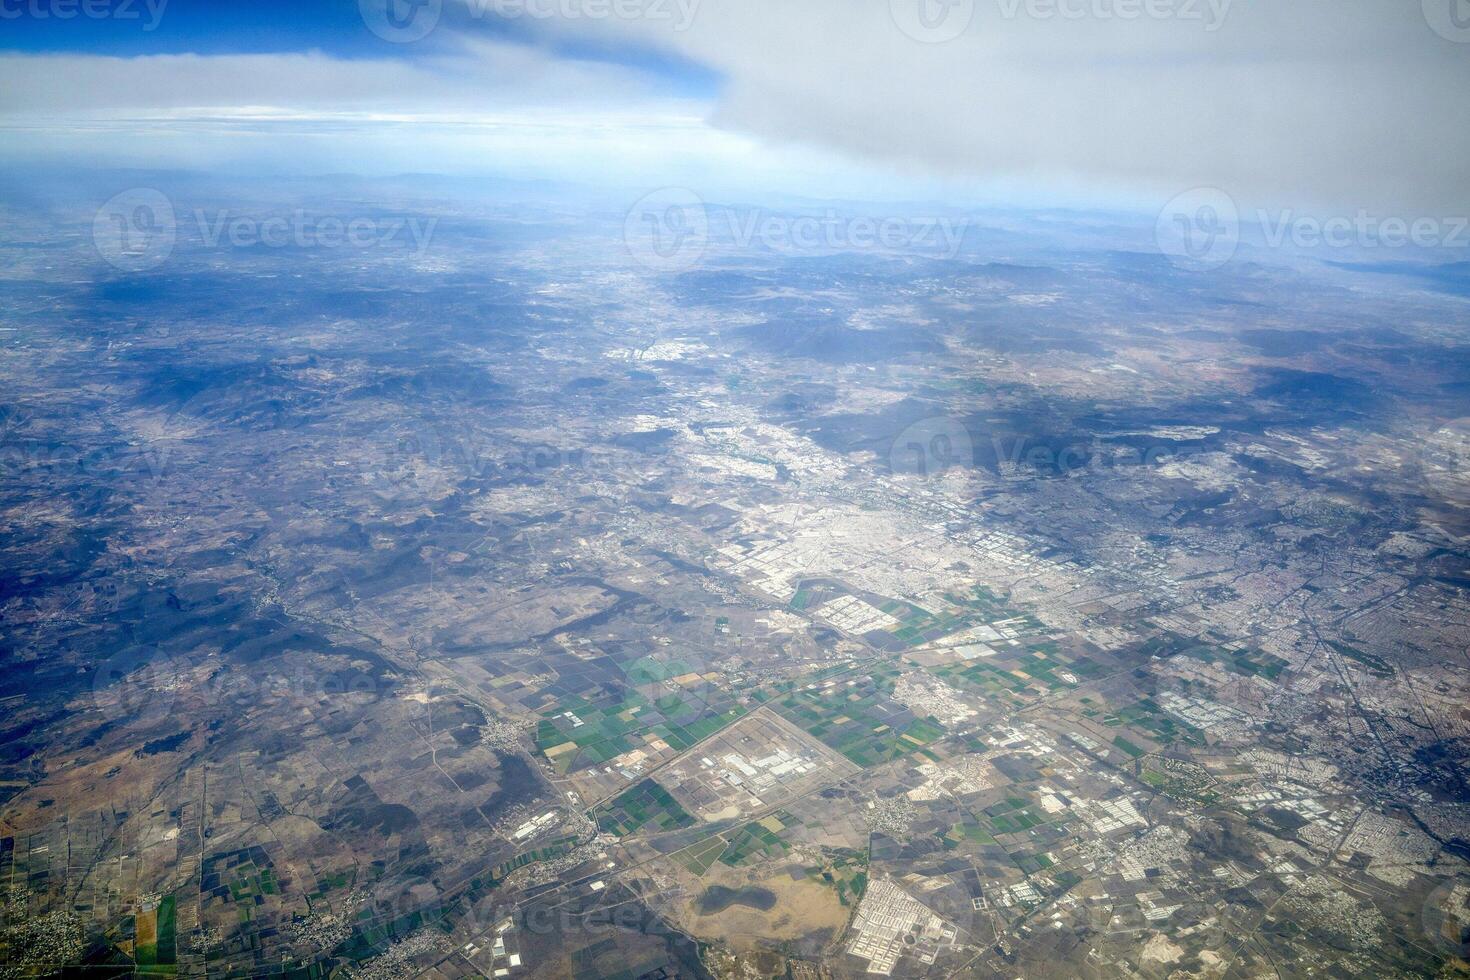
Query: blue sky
x,y
334,27
1336,104
198,26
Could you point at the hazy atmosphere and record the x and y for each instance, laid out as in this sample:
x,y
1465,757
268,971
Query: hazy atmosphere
x,y
735,490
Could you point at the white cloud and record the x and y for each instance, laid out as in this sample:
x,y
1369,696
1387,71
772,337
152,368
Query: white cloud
x,y
1333,104
473,105
1342,103
472,78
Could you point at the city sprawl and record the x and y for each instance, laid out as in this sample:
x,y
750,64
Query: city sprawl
x,y
510,608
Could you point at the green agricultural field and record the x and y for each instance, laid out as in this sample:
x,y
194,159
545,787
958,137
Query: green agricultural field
x,y
972,833
168,931
549,852
1128,747
920,626
1032,863
327,884
989,605
1012,816
846,872
644,805
855,717
750,841
986,676
1149,717
577,734
157,950
1240,661
1188,787
698,857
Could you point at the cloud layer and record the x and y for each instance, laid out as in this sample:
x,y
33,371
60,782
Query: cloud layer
x,y
1335,103
1329,104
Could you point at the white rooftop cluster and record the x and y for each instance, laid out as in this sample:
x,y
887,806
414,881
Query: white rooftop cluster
x,y
890,923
